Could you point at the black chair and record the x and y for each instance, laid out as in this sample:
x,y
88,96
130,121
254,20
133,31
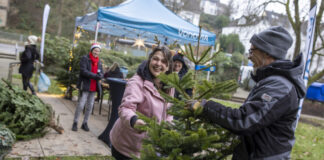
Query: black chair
x,y
117,88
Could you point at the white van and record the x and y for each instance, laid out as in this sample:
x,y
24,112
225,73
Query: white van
x,y
245,73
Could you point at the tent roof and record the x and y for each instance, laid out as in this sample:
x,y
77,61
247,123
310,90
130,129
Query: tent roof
x,y
144,19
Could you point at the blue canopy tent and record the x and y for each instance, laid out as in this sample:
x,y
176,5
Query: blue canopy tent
x,y
143,19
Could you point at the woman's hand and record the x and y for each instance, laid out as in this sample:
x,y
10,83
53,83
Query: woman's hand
x,y
139,123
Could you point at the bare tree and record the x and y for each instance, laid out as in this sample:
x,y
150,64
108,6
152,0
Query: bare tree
x,y
293,13
60,19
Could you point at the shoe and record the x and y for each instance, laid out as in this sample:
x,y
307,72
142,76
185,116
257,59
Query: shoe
x,y
75,126
85,127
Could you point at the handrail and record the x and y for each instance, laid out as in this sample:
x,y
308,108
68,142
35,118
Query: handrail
x,y
13,64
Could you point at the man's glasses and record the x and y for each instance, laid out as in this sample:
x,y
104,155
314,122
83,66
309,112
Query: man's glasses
x,y
251,50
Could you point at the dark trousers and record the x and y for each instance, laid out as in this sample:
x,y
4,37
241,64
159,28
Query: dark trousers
x,y
26,83
117,155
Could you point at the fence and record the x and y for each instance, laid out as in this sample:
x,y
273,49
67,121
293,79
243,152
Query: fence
x,y
12,37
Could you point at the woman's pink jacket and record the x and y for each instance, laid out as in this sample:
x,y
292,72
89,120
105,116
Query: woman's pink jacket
x,y
140,95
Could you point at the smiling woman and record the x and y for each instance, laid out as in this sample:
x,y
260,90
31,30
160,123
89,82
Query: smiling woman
x,y
141,95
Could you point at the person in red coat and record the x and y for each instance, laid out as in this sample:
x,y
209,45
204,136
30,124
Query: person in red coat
x,y
88,84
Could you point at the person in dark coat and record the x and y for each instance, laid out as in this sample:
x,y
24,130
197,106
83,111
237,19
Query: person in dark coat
x,y
27,59
88,84
180,67
114,72
266,122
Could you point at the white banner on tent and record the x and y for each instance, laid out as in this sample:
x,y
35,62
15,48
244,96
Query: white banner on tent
x,y
45,18
308,51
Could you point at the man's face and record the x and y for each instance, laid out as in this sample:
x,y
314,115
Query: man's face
x,y
96,52
257,57
177,66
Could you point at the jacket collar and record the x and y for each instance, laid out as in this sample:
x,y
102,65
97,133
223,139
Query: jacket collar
x,y
152,89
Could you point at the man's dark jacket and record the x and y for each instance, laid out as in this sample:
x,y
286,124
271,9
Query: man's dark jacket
x,y
266,121
86,75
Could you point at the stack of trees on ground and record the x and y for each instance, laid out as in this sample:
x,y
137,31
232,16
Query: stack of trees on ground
x,y
24,114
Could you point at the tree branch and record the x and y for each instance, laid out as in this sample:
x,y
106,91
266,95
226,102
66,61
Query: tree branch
x,y
269,2
318,49
318,21
315,77
289,16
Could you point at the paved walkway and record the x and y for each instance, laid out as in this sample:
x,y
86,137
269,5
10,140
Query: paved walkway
x,y
69,143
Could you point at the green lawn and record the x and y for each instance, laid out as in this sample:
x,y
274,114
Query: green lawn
x,y
309,143
55,88
67,158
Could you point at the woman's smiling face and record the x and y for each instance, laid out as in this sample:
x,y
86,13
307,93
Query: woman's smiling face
x,y
158,64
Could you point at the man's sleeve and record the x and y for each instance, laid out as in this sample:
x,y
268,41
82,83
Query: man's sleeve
x,y
268,103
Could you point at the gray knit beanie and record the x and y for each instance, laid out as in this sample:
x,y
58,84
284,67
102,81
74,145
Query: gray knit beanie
x,y
274,41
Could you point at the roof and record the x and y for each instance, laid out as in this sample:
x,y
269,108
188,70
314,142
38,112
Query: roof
x,y
144,19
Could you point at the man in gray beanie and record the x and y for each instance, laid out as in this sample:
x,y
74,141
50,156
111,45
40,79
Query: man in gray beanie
x,y
266,121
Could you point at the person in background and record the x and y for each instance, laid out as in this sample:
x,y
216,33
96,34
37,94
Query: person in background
x,y
114,72
180,67
88,84
141,94
266,121
27,59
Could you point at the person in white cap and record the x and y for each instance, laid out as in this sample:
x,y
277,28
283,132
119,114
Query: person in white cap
x,y
88,84
27,59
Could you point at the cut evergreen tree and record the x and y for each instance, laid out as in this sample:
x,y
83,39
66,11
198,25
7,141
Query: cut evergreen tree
x,y
24,114
7,139
190,136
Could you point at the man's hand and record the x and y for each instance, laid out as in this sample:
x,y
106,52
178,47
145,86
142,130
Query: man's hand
x,y
194,104
99,76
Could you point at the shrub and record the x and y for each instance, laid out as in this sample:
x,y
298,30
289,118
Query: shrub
x,y
7,139
56,52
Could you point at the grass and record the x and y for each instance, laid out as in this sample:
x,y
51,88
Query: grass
x,y
67,158
309,144
54,88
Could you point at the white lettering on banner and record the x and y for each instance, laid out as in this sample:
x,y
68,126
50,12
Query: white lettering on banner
x,y
191,35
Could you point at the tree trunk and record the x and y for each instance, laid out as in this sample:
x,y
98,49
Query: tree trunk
x,y
60,19
297,29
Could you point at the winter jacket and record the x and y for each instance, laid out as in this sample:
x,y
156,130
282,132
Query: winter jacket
x,y
182,72
114,74
140,95
27,59
267,119
86,74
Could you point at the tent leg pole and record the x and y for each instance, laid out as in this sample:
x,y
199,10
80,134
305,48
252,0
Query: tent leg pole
x,y
75,28
97,28
68,90
211,54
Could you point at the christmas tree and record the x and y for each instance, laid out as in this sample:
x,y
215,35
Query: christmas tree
x,y
190,136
